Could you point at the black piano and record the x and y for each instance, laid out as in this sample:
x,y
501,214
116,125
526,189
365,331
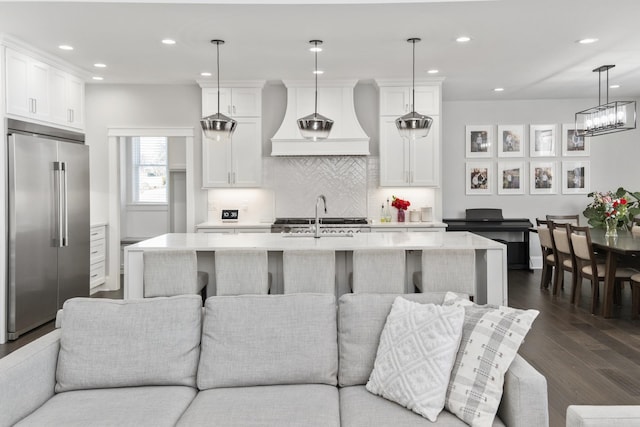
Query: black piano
x,y
486,222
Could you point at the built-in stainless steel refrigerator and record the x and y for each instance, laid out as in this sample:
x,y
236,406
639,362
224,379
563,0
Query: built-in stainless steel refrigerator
x,y
48,223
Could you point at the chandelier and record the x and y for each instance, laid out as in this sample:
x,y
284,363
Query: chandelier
x,y
610,117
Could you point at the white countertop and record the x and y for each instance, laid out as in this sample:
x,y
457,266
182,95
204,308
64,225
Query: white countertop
x,y
418,224
218,224
280,242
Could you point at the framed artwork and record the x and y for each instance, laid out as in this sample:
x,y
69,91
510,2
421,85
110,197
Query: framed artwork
x,y
479,176
511,178
543,179
542,140
510,141
479,141
574,144
575,177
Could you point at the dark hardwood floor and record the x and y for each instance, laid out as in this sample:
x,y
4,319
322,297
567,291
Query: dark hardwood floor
x,y
585,358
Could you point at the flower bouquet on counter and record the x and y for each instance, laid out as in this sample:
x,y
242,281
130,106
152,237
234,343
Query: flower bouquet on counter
x,y
401,205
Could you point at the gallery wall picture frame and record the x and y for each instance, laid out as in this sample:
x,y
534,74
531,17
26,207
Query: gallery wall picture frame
x,y
480,140
543,177
511,177
479,178
574,144
576,177
510,140
542,140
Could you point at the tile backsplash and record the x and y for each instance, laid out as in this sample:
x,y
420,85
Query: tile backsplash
x,y
291,185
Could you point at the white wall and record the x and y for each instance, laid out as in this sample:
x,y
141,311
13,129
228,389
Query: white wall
x,y
133,106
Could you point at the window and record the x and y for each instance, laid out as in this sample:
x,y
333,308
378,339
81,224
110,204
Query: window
x,y
149,170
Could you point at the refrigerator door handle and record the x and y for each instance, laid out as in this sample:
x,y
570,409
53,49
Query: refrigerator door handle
x,y
65,205
57,173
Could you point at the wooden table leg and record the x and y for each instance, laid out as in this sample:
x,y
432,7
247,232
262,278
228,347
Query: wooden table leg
x,y
609,283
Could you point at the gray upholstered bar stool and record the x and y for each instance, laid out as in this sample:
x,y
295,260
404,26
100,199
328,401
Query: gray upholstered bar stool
x,y
169,273
309,271
447,270
242,271
379,271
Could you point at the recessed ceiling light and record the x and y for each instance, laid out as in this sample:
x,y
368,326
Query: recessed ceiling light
x,y
463,39
318,72
614,86
168,41
65,47
100,65
98,78
315,49
587,41
433,71
498,89
205,74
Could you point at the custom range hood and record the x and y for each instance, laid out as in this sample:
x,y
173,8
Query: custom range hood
x,y
336,101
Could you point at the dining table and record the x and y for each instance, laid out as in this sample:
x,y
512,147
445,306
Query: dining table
x,y
625,244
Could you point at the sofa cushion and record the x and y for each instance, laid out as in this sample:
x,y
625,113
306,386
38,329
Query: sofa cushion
x,y
154,406
120,343
308,405
491,337
417,348
359,408
252,340
361,319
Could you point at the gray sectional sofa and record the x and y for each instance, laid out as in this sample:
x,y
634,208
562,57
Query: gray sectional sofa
x,y
275,360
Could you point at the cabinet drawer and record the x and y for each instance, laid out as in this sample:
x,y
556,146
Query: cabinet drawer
x,y
97,251
96,274
97,233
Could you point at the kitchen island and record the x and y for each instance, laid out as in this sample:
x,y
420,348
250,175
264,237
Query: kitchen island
x,y
491,256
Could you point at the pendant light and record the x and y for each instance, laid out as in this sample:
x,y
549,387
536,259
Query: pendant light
x,y
315,126
413,125
610,117
218,126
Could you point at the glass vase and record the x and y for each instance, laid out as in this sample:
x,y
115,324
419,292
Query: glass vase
x,y
400,215
612,228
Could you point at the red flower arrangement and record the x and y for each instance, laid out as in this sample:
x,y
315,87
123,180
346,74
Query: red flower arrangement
x,y
400,204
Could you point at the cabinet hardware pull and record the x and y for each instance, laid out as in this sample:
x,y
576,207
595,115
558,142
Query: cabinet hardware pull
x,y
35,105
229,177
94,275
234,109
94,252
229,109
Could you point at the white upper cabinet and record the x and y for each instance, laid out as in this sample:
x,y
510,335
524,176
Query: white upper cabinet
x,y
38,91
234,102
405,163
236,162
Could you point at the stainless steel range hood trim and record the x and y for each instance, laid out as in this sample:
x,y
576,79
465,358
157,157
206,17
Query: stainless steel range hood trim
x,y
347,137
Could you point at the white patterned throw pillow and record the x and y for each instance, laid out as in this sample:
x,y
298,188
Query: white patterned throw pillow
x,y
417,349
491,337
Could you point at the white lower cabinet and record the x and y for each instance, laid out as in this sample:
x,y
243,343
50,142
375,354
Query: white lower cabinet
x,y
97,257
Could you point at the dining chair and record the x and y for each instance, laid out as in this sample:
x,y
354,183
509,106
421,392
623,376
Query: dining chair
x,y
546,246
379,271
169,273
635,296
241,271
309,271
592,270
447,270
563,257
564,219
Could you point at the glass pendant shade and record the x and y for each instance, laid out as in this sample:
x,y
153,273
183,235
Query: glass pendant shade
x,y
414,125
315,126
218,126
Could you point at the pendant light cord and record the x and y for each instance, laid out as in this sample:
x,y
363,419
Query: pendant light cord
x,y
218,72
315,51
413,79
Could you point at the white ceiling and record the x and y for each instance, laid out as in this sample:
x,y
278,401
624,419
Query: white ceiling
x,y
526,46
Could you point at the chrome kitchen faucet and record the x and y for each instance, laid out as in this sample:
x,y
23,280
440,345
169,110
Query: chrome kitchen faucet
x,y
324,202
